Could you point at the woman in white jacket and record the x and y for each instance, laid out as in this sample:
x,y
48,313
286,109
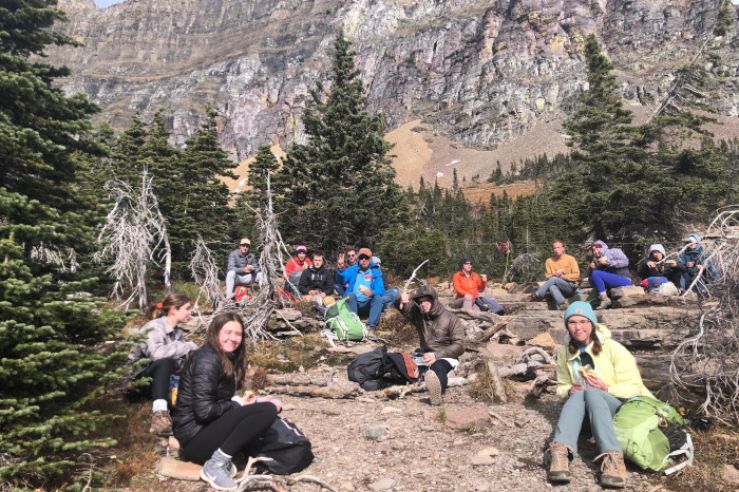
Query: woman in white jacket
x,y
163,344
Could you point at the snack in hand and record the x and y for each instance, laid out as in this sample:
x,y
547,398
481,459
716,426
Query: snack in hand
x,y
588,372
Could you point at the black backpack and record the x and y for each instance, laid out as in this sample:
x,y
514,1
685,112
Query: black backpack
x,y
289,449
376,369
367,369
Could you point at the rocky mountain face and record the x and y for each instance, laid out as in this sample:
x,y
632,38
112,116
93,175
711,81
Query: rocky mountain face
x,y
481,72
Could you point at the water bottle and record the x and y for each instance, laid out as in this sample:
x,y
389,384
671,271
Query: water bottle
x,y
174,383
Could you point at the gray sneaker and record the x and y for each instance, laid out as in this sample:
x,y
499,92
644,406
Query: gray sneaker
x,y
217,472
433,385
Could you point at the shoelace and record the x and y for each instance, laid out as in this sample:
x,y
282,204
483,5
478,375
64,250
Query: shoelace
x,y
609,461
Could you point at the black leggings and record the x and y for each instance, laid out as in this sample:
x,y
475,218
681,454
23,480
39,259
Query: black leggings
x,y
441,368
232,432
159,371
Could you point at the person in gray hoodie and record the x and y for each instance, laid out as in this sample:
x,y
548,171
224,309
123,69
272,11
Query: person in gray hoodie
x,y
441,337
609,269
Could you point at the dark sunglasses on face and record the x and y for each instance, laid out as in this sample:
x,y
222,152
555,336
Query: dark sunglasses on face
x,y
364,257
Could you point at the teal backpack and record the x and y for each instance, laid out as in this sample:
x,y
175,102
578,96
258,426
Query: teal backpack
x,y
651,433
344,323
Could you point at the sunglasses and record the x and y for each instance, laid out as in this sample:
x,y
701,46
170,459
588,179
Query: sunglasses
x,y
364,257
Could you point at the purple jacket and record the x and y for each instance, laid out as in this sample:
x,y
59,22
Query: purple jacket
x,y
618,263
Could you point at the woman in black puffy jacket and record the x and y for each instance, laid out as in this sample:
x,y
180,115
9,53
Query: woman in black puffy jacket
x,y
211,421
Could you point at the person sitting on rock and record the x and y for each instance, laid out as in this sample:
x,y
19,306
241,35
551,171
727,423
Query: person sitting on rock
x,y
165,346
691,261
317,282
654,270
344,261
294,268
365,289
211,422
562,275
594,375
242,265
609,269
469,286
441,337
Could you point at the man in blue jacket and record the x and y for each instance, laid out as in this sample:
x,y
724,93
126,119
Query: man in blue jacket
x,y
365,289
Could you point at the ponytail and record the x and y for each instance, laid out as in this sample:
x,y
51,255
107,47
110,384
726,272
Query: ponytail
x,y
159,309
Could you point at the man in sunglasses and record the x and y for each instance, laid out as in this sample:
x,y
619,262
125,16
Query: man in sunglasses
x,y
365,289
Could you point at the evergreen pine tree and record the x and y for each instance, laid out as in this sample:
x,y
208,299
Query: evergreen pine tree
x,y
50,368
339,187
203,206
265,163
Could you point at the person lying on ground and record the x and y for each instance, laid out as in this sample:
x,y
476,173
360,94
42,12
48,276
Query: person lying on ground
x,y
609,269
317,282
211,421
440,334
365,289
294,268
242,267
165,346
562,274
595,374
469,286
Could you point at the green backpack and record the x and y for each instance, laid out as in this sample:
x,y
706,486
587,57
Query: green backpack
x,y
640,426
344,323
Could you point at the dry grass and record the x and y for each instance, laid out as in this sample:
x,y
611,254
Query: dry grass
x,y
714,450
135,452
483,389
396,329
289,355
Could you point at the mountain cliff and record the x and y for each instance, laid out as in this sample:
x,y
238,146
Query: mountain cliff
x,y
481,73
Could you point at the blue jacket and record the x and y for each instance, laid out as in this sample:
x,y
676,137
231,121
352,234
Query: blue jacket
x,y
350,277
696,255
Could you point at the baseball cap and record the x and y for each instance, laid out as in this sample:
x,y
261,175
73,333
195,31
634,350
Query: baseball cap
x,y
245,241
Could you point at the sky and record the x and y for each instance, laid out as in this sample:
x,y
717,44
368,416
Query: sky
x,y
108,3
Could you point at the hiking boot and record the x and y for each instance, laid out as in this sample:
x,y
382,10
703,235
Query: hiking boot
x,y
605,302
371,332
559,463
161,423
612,470
433,385
563,306
217,472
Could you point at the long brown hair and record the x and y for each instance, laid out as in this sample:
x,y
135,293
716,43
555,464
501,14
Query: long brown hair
x,y
597,346
173,300
235,367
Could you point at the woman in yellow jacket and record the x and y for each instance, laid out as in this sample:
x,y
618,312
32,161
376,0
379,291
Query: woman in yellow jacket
x,y
595,374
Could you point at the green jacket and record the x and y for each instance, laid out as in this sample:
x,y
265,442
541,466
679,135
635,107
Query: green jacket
x,y
615,365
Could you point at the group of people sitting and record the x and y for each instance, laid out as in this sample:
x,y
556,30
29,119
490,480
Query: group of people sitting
x,y
215,419
357,277
609,268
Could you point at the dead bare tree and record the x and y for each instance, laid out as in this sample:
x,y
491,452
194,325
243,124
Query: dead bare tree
x,y
204,271
266,303
133,236
65,260
706,364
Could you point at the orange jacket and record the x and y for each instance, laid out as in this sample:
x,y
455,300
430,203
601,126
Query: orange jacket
x,y
464,285
294,265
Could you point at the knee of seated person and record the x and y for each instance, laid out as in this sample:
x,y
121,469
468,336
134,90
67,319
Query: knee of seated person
x,y
591,393
230,274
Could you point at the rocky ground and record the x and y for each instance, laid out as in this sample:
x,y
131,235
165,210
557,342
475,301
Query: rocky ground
x,y
367,442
